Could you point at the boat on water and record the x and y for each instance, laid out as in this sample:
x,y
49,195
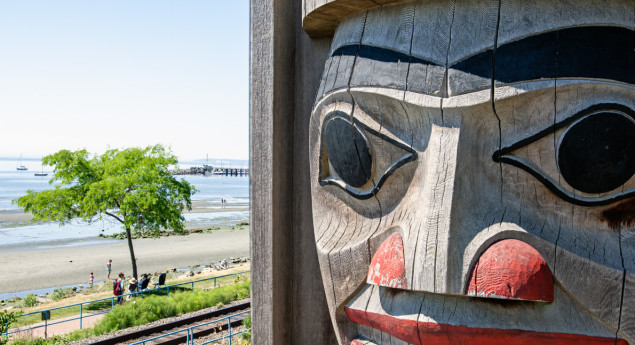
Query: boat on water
x,y
20,166
41,173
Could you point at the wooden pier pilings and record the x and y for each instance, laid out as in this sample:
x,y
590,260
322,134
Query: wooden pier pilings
x,y
211,170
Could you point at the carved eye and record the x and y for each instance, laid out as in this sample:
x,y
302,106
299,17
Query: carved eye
x,y
595,156
357,158
348,151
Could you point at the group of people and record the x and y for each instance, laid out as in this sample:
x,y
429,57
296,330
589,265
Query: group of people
x,y
223,203
119,287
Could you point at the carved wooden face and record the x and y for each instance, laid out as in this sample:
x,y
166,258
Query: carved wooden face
x,y
473,173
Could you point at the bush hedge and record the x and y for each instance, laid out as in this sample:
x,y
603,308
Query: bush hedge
x,y
152,308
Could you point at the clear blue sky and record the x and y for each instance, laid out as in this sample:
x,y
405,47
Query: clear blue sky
x,y
92,74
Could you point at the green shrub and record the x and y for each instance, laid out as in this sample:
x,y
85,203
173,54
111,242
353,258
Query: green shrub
x,y
29,301
152,308
59,294
6,318
247,334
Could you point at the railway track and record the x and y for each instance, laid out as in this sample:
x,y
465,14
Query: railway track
x,y
180,338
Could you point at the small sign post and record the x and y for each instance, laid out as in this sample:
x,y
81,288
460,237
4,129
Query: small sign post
x,y
46,315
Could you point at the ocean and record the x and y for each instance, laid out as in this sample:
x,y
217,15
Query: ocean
x,y
14,183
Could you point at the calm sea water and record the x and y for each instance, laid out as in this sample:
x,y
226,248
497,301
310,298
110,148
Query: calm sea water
x,y
14,184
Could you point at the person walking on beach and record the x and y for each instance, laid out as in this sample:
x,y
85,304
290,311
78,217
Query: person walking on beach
x,y
109,267
118,287
91,277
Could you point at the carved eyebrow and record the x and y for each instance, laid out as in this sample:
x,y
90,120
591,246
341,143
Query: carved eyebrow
x,y
602,52
379,54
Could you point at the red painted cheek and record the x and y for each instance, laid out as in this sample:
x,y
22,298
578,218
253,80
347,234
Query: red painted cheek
x,y
387,267
512,269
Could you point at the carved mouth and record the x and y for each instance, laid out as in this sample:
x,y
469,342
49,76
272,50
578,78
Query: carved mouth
x,y
423,325
422,333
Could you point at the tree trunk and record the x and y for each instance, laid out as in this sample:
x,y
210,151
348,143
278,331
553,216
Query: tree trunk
x,y
132,258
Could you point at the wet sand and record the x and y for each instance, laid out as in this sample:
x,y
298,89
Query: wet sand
x,y
8,217
28,268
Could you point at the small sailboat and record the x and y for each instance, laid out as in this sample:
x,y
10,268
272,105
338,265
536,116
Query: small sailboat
x,y
20,166
41,173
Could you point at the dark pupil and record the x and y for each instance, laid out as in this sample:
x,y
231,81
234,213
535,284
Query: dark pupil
x,y
348,152
598,153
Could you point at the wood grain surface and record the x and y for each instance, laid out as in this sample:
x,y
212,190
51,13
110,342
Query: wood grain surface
x,y
457,82
462,106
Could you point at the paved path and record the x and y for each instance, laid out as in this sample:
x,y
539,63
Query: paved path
x,y
58,327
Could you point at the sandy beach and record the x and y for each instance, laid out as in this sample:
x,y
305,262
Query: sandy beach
x,y
27,268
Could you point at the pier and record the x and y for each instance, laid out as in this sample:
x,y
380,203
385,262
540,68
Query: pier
x,y
212,170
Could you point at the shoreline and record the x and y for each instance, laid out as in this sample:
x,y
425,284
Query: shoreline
x,y
18,217
32,267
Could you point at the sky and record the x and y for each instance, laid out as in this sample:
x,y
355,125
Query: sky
x,y
94,75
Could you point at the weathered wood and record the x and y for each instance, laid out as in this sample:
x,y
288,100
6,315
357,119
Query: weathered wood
x,y
321,17
511,269
459,109
445,85
284,82
432,318
269,84
309,299
481,17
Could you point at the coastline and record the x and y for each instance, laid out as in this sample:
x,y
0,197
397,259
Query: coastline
x,y
19,217
31,267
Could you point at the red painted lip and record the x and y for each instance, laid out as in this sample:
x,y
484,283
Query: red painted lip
x,y
424,333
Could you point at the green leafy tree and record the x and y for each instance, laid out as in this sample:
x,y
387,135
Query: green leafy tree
x,y
132,186
6,318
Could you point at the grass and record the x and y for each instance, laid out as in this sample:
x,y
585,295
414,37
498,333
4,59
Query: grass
x,y
104,291
154,308
56,339
247,334
149,309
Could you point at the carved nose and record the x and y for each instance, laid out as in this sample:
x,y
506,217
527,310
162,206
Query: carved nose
x,y
387,266
511,269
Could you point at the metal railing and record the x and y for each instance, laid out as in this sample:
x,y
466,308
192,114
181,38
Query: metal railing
x,y
189,332
47,312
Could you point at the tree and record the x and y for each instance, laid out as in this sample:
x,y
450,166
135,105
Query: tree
x,y
6,318
132,186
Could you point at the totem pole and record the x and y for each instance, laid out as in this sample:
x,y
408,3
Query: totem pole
x,y
472,171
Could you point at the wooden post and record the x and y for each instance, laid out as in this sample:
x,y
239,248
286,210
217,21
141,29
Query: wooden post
x,y
286,282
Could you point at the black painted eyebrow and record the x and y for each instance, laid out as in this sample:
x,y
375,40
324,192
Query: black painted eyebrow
x,y
580,52
602,52
379,54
